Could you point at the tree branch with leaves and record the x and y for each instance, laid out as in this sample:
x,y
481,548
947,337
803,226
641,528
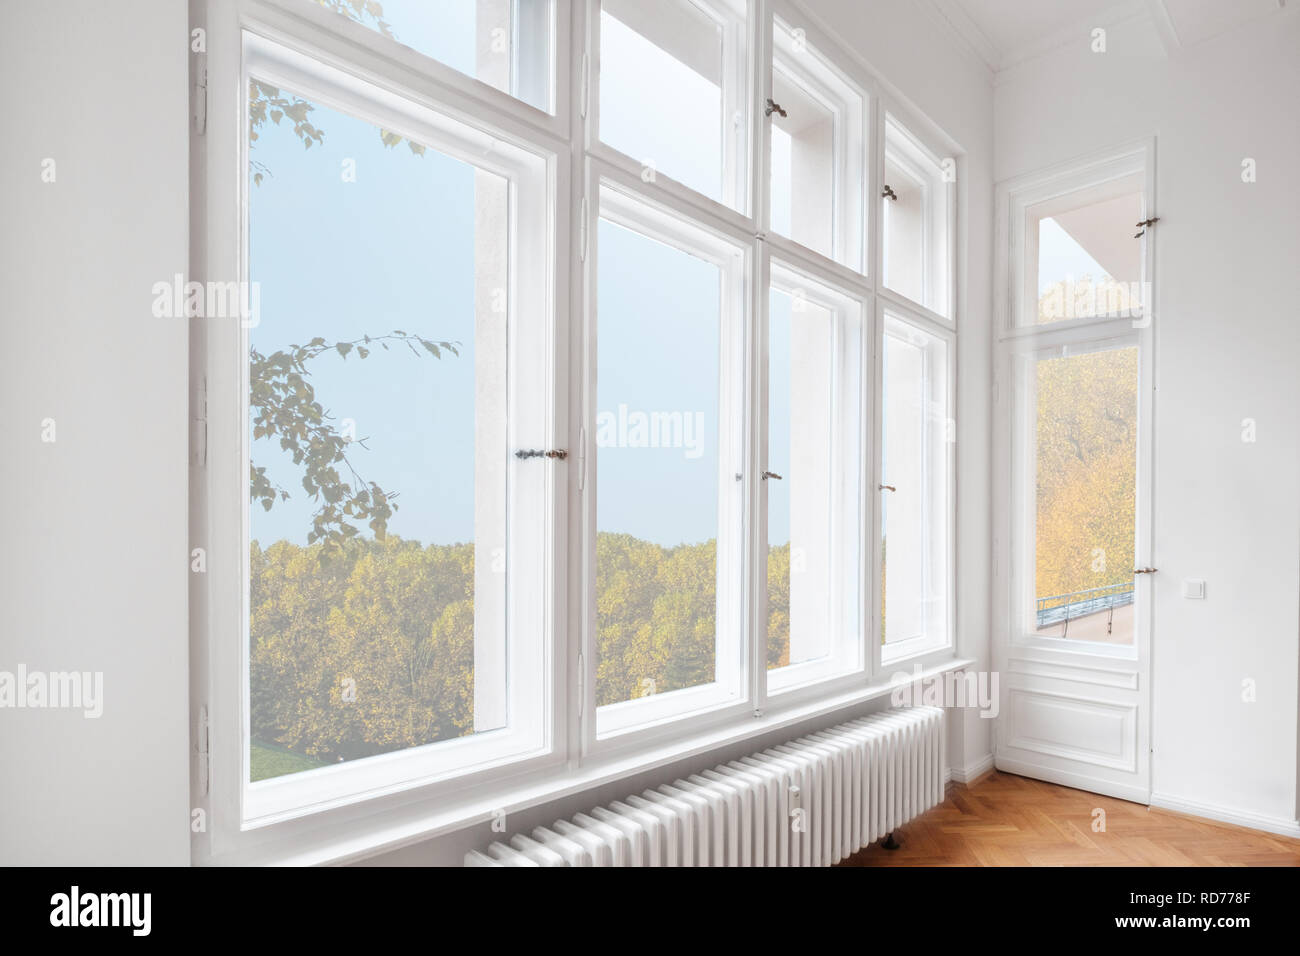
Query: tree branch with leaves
x,y
284,405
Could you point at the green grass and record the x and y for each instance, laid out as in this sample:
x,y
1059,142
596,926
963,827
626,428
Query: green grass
x,y
272,760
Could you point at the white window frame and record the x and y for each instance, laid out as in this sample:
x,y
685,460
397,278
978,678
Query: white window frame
x,y
944,474
739,56
817,74
528,502
406,808
919,142
652,714
1014,509
851,400
1013,312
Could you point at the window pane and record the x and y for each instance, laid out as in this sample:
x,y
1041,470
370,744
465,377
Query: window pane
x,y
801,416
661,470
817,153
378,443
1087,256
1086,515
914,503
670,91
917,243
505,43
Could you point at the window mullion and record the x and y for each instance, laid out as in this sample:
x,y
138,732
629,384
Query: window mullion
x,y
756,498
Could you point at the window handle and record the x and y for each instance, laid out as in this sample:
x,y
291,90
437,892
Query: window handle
x,y
772,474
1144,570
888,192
1142,226
774,107
888,488
559,453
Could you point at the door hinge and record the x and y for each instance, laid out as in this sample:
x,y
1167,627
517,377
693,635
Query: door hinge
x,y
199,425
201,93
204,753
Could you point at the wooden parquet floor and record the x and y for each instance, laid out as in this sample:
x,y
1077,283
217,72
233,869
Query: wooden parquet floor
x,y
1005,820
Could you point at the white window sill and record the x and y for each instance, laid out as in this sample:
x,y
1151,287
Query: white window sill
x,y
403,826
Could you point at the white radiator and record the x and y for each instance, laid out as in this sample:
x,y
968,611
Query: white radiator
x,y
809,802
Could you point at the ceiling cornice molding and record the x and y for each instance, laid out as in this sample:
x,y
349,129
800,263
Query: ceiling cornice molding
x,y
1076,32
967,32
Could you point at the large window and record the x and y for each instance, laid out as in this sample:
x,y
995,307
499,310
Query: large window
x,y
917,435
818,150
668,448
519,464
813,481
672,90
396,543
916,220
1075,351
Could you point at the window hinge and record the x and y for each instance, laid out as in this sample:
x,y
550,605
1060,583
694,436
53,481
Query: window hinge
x,y
582,458
199,425
582,683
203,752
582,230
584,85
201,93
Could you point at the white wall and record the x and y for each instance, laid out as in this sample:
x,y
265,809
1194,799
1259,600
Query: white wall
x,y
93,570
1227,349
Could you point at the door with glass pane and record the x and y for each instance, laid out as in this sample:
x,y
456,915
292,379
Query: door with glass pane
x,y
1074,665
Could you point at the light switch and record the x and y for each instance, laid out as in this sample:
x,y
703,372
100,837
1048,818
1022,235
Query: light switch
x,y
1193,589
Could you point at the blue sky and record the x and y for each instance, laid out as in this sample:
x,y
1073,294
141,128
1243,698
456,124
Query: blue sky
x,y
337,259
1060,256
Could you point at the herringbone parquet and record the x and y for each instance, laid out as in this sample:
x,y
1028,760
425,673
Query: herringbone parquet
x,y
1005,820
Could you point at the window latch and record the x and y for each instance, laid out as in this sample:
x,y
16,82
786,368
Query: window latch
x,y
559,453
1144,570
888,192
774,107
888,488
772,474
1142,226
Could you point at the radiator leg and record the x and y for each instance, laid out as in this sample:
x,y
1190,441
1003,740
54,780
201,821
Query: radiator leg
x,y
889,843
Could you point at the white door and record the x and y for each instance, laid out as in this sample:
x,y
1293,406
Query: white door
x,y
1073,546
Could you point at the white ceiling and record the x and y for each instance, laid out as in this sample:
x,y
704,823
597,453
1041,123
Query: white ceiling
x,y
1006,32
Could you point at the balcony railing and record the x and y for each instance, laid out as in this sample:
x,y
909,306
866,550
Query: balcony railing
x,y
1056,608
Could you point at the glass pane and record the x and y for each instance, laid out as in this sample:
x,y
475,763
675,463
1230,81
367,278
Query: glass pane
x,y
1086,513
917,256
800,519
504,43
914,509
657,514
1089,261
816,152
377,437
669,92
